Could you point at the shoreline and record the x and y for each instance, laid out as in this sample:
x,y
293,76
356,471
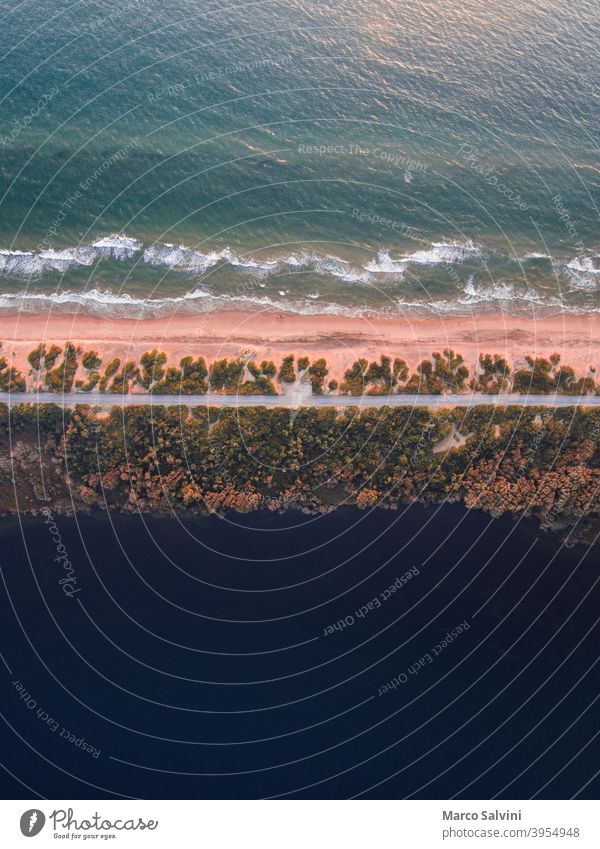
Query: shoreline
x,y
340,339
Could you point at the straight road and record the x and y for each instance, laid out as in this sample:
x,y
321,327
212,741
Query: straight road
x,y
296,400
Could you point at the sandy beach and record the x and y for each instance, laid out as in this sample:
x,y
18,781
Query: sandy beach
x,y
339,339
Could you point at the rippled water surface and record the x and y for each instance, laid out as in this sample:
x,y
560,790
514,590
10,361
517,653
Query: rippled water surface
x,y
339,156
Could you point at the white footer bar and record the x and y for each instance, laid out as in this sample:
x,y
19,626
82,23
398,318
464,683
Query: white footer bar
x,y
302,824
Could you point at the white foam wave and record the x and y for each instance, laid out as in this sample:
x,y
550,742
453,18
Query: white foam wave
x,y
584,264
183,259
384,264
117,247
63,260
445,252
104,303
31,264
35,263
252,264
16,262
583,273
326,265
439,253
336,267
191,261
503,293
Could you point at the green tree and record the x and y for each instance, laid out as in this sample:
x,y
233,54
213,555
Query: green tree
x,y
286,371
494,376
318,371
194,375
11,379
61,378
91,361
152,368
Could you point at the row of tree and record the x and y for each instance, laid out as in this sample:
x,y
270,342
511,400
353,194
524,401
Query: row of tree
x,y
56,369
511,460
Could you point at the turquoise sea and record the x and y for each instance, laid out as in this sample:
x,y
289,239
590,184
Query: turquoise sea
x,y
314,157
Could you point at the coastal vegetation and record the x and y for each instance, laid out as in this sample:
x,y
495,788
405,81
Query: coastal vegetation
x,y
65,369
11,380
508,459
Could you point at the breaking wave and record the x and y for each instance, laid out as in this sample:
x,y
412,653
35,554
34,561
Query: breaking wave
x,y
107,304
501,297
580,273
32,264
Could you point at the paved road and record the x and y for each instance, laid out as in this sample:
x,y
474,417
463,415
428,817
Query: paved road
x,y
299,400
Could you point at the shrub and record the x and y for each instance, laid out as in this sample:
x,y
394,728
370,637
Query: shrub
x,y
60,379
447,373
51,355
152,368
11,380
354,378
318,371
226,375
286,371
193,376
495,375
91,361
36,357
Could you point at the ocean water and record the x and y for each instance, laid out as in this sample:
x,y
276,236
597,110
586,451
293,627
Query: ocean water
x,y
199,658
333,157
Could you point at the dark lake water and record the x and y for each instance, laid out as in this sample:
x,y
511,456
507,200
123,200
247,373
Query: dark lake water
x,y
198,658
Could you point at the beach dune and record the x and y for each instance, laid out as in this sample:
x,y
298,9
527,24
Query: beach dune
x,y
339,339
